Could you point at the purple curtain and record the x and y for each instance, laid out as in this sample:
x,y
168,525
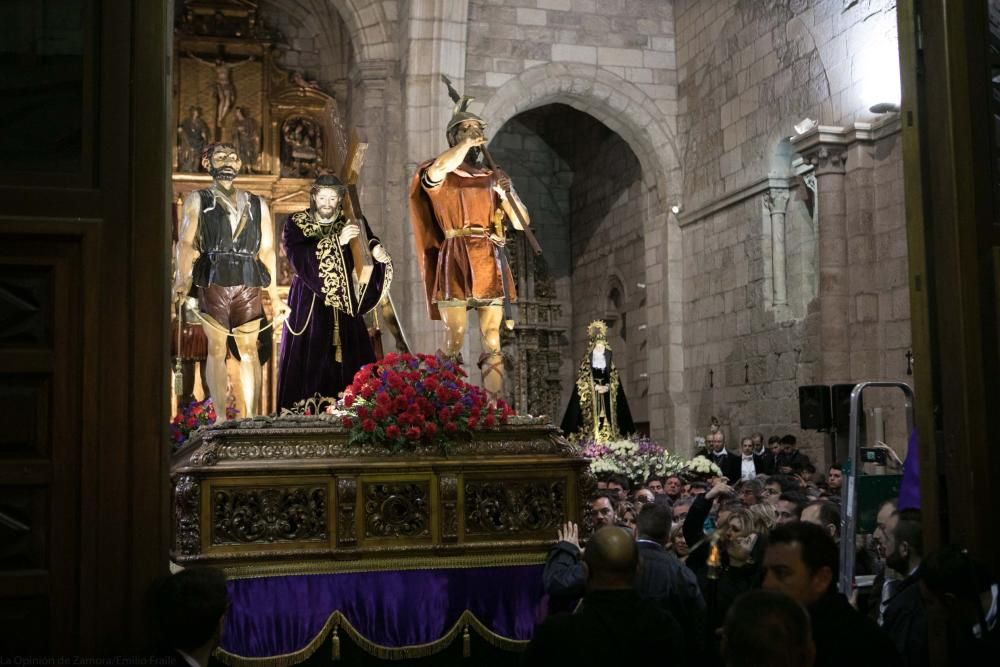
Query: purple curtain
x,y
279,615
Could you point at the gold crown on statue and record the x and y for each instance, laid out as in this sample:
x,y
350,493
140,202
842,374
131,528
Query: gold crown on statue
x,y
597,329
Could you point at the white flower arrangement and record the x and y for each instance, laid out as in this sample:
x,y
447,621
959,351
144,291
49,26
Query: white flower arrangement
x,y
700,465
641,458
669,464
636,458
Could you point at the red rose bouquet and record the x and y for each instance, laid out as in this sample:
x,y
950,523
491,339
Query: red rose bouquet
x,y
192,416
405,400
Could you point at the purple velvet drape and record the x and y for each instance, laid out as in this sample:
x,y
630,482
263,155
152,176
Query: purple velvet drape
x,y
278,615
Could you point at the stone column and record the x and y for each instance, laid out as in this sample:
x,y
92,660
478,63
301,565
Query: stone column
x,y
776,201
436,31
368,81
824,148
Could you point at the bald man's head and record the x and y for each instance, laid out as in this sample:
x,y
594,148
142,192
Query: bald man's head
x,y
612,559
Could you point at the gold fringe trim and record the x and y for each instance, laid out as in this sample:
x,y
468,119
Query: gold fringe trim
x,y
492,638
388,564
284,659
338,622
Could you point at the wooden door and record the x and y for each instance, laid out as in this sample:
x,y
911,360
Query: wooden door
x,y
84,178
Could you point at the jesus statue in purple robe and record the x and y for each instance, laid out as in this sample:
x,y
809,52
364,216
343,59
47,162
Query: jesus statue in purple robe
x,y
325,340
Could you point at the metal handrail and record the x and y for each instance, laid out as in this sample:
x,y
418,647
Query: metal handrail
x,y
849,497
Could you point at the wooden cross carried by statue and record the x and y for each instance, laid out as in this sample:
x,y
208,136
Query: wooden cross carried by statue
x,y
360,250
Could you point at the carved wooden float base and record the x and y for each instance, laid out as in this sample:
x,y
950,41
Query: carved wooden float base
x,y
289,494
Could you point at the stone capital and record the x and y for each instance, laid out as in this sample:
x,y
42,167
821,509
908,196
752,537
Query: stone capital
x,y
776,199
824,147
371,73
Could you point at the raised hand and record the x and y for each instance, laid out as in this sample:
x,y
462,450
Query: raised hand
x,y
569,532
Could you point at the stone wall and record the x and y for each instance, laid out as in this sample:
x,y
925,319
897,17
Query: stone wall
x,y
312,41
632,39
749,71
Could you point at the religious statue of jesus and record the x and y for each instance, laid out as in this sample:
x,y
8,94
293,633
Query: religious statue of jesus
x,y
225,89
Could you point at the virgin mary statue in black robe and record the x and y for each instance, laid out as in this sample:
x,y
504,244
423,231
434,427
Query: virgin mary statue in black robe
x,y
598,409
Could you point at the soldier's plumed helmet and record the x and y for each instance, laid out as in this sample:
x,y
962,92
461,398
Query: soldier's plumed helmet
x,y
457,119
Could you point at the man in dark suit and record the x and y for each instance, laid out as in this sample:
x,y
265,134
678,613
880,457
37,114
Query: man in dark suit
x,y
717,453
613,624
665,579
789,459
802,562
752,464
905,617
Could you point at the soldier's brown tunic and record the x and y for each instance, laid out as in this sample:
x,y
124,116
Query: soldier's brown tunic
x,y
456,268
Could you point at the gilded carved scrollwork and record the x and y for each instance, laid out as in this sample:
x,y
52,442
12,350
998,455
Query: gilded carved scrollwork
x,y
207,454
244,515
347,492
318,437
448,493
187,525
397,509
514,506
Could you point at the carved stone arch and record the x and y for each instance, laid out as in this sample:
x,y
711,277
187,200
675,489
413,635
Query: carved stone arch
x,y
626,110
617,103
365,20
369,29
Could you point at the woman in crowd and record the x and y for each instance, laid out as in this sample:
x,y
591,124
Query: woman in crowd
x,y
626,514
678,544
727,562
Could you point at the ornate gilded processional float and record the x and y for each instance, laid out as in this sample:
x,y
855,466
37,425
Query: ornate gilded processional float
x,y
315,531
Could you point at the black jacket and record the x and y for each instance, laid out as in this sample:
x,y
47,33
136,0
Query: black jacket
x,y
791,460
844,637
905,621
610,628
728,462
663,578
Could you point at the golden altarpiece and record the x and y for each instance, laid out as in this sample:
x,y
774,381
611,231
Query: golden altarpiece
x,y
228,87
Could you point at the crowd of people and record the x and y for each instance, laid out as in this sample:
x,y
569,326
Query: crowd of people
x,y
742,569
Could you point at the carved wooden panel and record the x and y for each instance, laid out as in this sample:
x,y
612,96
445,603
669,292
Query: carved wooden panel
x,y
47,69
448,493
27,402
397,509
42,290
269,514
347,498
187,516
25,306
23,511
497,507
